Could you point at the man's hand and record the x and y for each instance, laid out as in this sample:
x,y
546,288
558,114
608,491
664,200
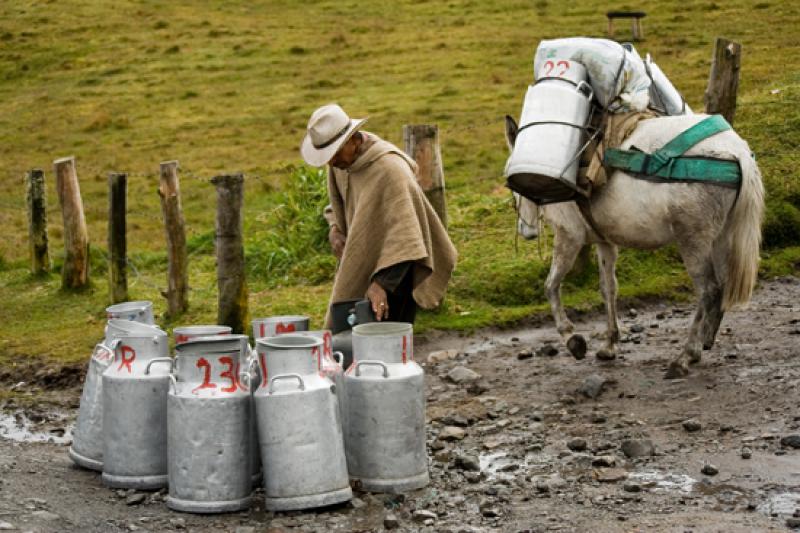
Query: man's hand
x,y
337,240
377,297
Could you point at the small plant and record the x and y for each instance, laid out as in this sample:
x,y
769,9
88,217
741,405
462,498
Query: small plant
x,y
294,233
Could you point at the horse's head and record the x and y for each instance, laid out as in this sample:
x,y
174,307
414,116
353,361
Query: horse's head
x,y
527,211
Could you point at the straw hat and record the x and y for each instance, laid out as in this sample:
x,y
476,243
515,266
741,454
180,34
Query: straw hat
x,y
328,129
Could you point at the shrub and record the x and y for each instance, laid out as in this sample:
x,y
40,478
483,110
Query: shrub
x,y
294,233
781,224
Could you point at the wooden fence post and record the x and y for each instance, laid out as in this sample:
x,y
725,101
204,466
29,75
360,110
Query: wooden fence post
x,y
422,144
75,274
723,82
117,237
37,221
231,279
177,293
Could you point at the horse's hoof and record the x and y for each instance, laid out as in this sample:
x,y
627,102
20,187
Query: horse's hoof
x,y
606,355
577,346
707,346
694,359
676,371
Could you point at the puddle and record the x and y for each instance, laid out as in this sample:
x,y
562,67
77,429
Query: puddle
x,y
782,504
660,481
499,465
19,428
492,464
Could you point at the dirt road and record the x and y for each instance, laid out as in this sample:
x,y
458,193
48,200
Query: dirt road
x,y
532,441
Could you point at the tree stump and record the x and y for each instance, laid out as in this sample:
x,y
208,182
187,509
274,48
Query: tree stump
x,y
177,293
117,237
723,81
75,273
231,276
422,144
37,221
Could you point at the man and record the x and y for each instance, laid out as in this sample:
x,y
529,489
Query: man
x,y
392,247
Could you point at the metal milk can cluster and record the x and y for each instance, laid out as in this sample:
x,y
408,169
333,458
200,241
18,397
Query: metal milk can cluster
x,y
209,423
298,427
135,388
87,444
544,162
384,404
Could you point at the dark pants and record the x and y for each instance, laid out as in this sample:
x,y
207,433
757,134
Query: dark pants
x,y
402,307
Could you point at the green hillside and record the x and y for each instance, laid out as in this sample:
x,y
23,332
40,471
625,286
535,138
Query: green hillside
x,y
228,86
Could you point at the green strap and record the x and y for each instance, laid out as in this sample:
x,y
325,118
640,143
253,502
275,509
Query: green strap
x,y
681,168
666,162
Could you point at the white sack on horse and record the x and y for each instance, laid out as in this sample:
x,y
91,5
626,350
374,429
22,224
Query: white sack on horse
x,y
618,78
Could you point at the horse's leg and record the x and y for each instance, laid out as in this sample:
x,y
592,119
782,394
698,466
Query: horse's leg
x,y
699,265
607,258
713,310
712,303
565,249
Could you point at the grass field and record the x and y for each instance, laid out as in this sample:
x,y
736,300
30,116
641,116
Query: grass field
x,y
226,87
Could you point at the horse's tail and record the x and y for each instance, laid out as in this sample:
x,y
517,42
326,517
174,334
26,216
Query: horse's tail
x,y
744,231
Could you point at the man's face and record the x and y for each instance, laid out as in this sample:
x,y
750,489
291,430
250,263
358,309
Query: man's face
x,y
346,155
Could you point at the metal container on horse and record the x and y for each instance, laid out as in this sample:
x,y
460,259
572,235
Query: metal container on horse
x,y
299,429
275,325
384,404
135,389
186,333
141,311
87,443
543,165
208,426
664,97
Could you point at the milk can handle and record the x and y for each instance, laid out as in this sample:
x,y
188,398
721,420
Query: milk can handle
x,y
159,360
286,376
585,88
174,383
339,360
359,364
110,347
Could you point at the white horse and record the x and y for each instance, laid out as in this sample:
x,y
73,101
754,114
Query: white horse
x,y
716,230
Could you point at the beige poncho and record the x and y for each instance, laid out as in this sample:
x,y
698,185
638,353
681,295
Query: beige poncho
x,y
381,209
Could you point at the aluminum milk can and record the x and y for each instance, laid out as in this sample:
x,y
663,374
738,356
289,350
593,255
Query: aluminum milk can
x,y
208,426
135,389
87,444
141,311
664,97
275,325
384,406
186,333
329,362
299,430
344,315
543,165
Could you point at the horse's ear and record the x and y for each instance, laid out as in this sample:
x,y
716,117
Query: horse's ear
x,y
511,132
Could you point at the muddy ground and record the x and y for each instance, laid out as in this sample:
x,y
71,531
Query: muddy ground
x,y
519,448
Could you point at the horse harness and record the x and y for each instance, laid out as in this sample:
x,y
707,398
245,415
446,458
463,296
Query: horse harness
x,y
668,164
